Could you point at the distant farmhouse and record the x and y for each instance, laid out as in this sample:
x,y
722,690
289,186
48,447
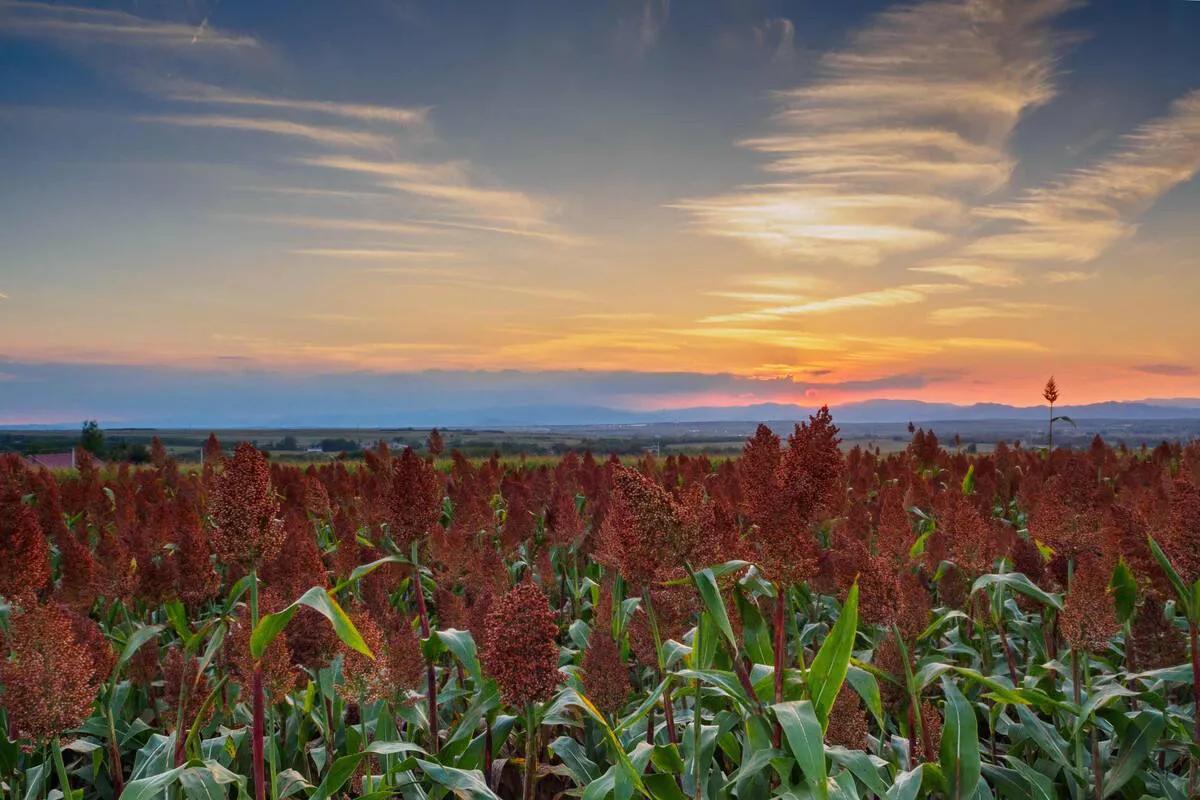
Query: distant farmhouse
x,y
57,460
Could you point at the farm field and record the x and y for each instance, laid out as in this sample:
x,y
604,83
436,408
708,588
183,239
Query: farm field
x,y
803,620
545,444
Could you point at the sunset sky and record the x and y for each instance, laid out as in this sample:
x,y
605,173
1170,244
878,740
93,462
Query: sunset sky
x,y
695,203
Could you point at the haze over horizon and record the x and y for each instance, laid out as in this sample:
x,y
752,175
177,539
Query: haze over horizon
x,y
633,205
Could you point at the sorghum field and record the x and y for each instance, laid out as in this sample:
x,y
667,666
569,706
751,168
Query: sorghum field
x,y
798,622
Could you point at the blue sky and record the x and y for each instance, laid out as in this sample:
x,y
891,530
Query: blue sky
x,y
822,201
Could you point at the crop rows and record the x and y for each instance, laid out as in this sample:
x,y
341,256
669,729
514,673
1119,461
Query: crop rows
x,y
798,622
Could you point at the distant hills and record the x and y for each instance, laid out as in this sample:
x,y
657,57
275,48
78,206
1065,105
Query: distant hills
x,y
874,411
524,416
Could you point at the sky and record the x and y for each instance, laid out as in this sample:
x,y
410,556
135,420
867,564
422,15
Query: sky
x,y
631,203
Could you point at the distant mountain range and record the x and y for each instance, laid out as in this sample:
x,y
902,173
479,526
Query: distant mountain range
x,y
864,411
522,416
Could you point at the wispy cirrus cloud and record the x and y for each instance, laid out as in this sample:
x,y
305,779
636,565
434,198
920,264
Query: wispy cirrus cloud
x,y
906,128
375,254
877,298
994,309
321,134
1168,370
1067,276
976,273
191,92
1081,216
451,187
68,24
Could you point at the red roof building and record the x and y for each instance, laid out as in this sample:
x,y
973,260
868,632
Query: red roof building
x,y
56,460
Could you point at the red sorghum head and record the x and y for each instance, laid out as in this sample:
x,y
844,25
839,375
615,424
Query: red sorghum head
x,y
520,646
245,511
415,498
1089,620
24,552
50,679
847,721
605,675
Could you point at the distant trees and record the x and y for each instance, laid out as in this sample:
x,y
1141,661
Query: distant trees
x,y
91,438
340,445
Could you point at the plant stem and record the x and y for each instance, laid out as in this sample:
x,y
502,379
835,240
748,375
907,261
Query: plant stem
x,y
1097,767
668,713
780,659
696,716
530,751
1192,637
487,749
430,672
60,768
1008,653
116,770
256,690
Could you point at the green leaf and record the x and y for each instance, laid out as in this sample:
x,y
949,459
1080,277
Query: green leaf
x,y
339,772
829,667
1040,787
726,682
862,767
363,570
583,770
663,787
291,782
467,784
1134,750
968,481
1018,583
1124,591
868,689
755,633
462,644
959,755
139,637
1099,698
319,600
798,719
667,759
643,707
150,788
906,786
1045,736
710,593
1185,596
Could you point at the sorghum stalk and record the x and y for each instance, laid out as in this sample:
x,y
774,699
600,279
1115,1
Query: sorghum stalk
x,y
530,750
1195,646
116,771
60,767
696,717
256,691
488,720
1097,766
668,712
430,672
780,659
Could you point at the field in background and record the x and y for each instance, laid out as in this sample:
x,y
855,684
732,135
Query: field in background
x,y
713,438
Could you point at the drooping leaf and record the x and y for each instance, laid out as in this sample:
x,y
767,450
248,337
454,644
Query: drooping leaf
x,y
466,784
1018,583
320,600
